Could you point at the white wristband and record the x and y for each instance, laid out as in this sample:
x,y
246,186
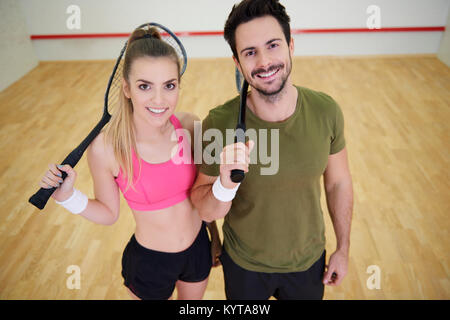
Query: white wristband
x,y
223,194
76,203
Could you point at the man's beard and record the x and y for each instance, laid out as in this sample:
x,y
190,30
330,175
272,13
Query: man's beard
x,y
273,95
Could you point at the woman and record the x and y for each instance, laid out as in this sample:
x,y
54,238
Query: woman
x,y
170,246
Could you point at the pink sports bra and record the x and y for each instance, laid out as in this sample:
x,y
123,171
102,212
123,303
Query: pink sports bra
x,y
164,184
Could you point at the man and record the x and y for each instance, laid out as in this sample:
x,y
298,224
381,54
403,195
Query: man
x,y
274,242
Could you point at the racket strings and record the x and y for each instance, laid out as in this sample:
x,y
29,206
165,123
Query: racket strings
x,y
171,41
168,38
114,90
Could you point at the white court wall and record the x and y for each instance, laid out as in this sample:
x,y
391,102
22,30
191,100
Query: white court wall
x,y
444,49
17,55
121,16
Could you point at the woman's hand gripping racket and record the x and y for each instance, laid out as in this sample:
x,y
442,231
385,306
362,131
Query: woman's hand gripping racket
x,y
112,94
238,175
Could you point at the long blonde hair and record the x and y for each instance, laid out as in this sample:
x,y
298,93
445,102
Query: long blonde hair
x,y
120,131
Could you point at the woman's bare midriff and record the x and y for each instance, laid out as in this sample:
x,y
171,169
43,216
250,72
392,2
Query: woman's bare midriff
x,y
172,229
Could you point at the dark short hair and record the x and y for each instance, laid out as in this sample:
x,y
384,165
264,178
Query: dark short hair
x,y
248,10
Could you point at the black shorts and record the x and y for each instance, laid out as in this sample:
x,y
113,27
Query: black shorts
x,y
242,284
151,274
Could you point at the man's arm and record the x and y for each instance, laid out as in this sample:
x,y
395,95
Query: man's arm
x,y
233,156
216,244
209,208
339,195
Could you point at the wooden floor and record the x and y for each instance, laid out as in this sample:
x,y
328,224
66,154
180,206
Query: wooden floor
x,y
397,113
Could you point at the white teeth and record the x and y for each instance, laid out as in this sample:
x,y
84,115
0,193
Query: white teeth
x,y
156,110
266,75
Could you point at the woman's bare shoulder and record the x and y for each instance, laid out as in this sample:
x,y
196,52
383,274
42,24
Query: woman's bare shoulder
x,y
101,154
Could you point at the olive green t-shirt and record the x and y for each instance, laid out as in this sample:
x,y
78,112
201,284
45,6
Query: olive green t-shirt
x,y
275,223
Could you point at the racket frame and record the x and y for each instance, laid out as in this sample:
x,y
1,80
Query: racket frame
x,y
237,175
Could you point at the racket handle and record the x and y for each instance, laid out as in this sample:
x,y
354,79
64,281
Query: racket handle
x,y
237,175
40,198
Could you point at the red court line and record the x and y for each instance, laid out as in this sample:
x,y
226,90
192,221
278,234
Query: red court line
x,y
394,29
220,33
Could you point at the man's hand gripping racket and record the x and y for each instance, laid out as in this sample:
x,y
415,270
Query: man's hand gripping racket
x,y
237,175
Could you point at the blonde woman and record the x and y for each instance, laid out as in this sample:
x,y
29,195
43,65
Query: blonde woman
x,y
170,247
